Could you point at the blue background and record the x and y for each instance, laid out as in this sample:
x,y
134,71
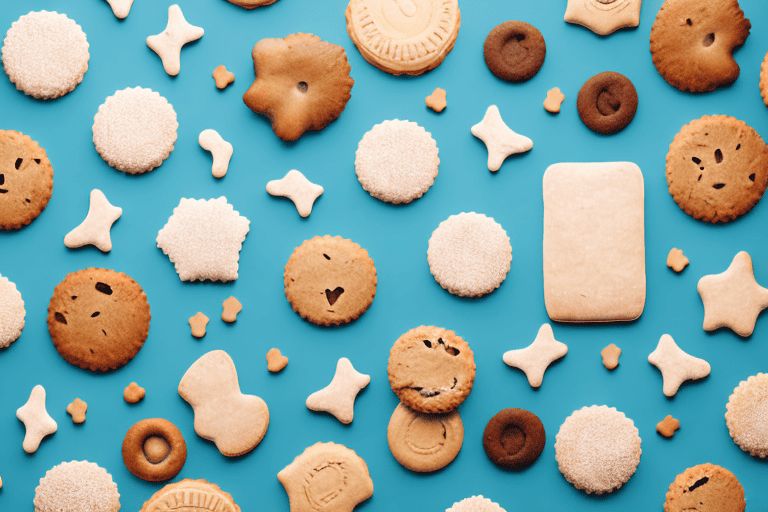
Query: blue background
x,y
396,237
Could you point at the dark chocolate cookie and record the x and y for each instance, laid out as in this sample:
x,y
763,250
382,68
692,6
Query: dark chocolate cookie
x,y
607,102
514,51
514,438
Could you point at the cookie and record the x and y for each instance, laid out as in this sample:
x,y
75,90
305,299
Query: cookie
x,y
431,369
410,37
675,365
275,360
514,51
296,187
12,313
610,356
676,260
98,319
338,398
197,324
469,254
424,442
77,410
154,450
553,100
745,415
193,495
133,393
692,43
514,438
120,8
475,504
597,449
607,102
95,229
221,150
602,280
45,54
26,180
330,280
436,100
37,422
667,426
222,76
705,488
75,487
302,83
717,168
536,357
251,4
764,80
397,161
230,308
167,44
603,17
499,139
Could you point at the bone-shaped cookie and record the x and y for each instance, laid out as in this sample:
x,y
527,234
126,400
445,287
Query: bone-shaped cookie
x,y
210,140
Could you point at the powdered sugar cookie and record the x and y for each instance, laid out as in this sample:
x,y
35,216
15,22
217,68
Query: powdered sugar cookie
x,y
221,150
37,422
475,504
747,413
12,312
167,44
75,487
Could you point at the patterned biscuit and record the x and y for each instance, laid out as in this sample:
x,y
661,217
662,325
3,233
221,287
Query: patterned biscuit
x,y
26,179
424,442
603,17
77,486
747,414
705,488
12,313
193,495
154,450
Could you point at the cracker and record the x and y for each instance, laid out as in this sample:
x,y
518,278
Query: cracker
x,y
197,324
536,357
338,398
553,100
676,260
221,150
675,365
95,229
154,450
77,486
36,420
514,438
167,44
12,313
120,8
475,504
705,488
186,491
223,77
500,141
275,360
26,180
298,189
603,17
133,393
667,426
436,100
424,442
77,410
230,308
747,413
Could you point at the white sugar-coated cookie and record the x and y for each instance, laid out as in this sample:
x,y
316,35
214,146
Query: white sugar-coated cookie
x,y
747,415
135,130
475,504
397,161
45,54
77,486
12,312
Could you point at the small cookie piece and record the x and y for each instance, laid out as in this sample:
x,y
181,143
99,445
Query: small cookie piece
x,y
705,488
251,4
514,51
403,37
607,102
133,393
12,313
475,504
298,189
675,365
26,180
553,100
167,44
221,150
431,369
603,17
745,415
469,254
120,8
397,161
611,355
424,442
667,426
94,230
36,420
436,100
230,308
98,319
222,76
676,260
77,410
338,398
499,139
717,168
327,476
275,360
302,83
197,324
77,486
764,80
692,43
536,357
154,450
330,280
514,438
205,496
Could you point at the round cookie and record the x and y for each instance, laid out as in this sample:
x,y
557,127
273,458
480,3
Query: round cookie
x,y
26,180
196,495
745,415
469,254
597,449
431,369
12,313
45,54
692,43
397,161
424,442
764,80
705,488
410,37
475,504
514,438
514,51
607,102
251,4
98,319
75,487
154,450
717,168
330,280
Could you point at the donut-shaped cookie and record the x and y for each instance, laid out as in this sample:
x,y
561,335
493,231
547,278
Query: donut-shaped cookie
x,y
514,438
514,51
154,450
607,102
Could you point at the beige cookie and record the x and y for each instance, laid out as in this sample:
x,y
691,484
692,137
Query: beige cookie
x,y
338,398
745,415
190,496
424,442
603,17
611,355
705,488
676,260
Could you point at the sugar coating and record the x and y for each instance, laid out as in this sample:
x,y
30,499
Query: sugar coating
x,y
469,254
12,312
77,486
597,449
135,130
45,54
747,415
397,161
221,150
475,504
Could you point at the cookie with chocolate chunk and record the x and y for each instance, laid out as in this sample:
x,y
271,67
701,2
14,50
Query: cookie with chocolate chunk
x,y
705,488
26,180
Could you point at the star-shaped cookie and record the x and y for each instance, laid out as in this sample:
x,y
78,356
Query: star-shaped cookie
x,y
733,299
338,398
167,44
94,230
603,17
536,357
120,8
675,365
36,419
499,139
298,189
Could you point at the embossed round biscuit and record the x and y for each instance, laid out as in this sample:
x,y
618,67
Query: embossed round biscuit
x,y
431,369
424,442
747,414
77,486
26,180
692,43
12,312
514,438
330,280
705,488
717,168
607,102
764,80
514,51
98,319
196,495
154,450
404,36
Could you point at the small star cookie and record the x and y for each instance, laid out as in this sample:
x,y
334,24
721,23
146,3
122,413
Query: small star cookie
x,y
338,398
94,230
535,358
36,420
675,365
197,324
168,43
499,139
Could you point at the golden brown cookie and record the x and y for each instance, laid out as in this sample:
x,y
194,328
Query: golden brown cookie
x,y
431,369
196,495
98,319
26,179
717,168
705,488
424,442
251,4
764,80
667,426
133,393
154,450
330,280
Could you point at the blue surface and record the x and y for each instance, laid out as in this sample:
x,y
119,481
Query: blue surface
x,y
395,236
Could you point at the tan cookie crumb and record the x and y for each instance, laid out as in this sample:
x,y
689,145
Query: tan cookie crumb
x,y
197,323
77,410
553,101
133,393
275,360
223,77
611,355
231,307
667,426
676,260
436,100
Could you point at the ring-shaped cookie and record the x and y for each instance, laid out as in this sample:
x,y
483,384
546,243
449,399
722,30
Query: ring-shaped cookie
x,y
607,102
149,435
514,438
514,51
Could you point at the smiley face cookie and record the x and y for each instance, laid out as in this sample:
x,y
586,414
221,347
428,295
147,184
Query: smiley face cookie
x,y
26,179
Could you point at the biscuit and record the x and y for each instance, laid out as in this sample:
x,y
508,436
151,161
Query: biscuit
x,y
205,496
676,260
154,450
338,398
302,83
705,488
221,150
12,313
475,504
37,422
692,43
667,426
514,438
26,180
397,161
298,189
197,324
77,410
133,393
251,4
431,369
275,360
167,44
611,355
607,102
536,357
745,415
222,76
424,442
469,254
499,139
229,309
330,280
764,80
717,168
45,54
75,487
403,37
436,100
98,319
675,365
94,230
514,51
553,100
120,8
603,17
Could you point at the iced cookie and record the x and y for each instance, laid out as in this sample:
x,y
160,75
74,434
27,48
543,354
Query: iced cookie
x,y
745,415
603,17
424,442
705,488
26,180
192,496
12,313
77,486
